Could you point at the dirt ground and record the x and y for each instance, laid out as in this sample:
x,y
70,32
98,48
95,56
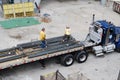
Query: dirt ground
x,y
77,15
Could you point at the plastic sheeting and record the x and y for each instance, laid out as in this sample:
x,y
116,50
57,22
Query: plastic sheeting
x,y
18,22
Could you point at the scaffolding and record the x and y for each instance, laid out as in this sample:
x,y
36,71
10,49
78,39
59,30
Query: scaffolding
x,y
19,22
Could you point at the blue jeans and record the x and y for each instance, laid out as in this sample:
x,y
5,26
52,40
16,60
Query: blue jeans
x,y
43,44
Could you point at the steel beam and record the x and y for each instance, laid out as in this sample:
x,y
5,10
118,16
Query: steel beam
x,y
7,54
55,49
11,58
53,45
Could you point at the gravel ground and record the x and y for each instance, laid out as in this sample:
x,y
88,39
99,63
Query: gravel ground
x,y
77,15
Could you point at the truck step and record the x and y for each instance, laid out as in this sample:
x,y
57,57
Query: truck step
x,y
99,54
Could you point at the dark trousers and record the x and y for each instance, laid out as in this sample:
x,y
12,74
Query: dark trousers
x,y
66,37
42,63
43,44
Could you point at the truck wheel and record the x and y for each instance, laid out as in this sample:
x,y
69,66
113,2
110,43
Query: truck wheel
x,y
67,60
81,57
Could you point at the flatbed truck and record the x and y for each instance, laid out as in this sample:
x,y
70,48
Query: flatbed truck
x,y
30,52
68,51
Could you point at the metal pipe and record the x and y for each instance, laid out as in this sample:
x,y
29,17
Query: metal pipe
x,y
93,19
7,54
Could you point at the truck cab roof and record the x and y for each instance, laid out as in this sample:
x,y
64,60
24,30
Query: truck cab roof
x,y
105,25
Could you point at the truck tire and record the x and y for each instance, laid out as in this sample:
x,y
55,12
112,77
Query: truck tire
x,y
67,60
81,57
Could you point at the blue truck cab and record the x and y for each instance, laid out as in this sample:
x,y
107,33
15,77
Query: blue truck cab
x,y
111,34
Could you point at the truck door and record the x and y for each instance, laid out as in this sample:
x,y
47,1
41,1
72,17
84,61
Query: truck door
x,y
117,39
94,34
118,42
109,36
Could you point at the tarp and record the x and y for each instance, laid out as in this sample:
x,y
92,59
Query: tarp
x,y
19,22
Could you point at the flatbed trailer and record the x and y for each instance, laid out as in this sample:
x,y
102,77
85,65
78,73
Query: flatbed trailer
x,y
31,51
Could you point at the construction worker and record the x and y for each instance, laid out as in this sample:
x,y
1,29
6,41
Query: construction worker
x,y
67,34
43,38
43,44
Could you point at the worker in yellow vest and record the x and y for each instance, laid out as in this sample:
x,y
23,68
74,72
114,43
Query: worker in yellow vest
x,y
43,43
43,38
67,34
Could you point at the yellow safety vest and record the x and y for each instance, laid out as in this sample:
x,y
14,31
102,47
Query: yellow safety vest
x,y
67,31
42,35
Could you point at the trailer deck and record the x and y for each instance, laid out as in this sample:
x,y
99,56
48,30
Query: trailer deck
x,y
29,52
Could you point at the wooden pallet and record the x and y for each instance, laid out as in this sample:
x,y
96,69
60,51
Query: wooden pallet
x,y
18,10
116,6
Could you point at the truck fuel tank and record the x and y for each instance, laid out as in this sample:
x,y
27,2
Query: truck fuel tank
x,y
109,48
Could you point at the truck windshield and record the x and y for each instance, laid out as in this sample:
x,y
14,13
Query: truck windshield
x,y
97,26
96,29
